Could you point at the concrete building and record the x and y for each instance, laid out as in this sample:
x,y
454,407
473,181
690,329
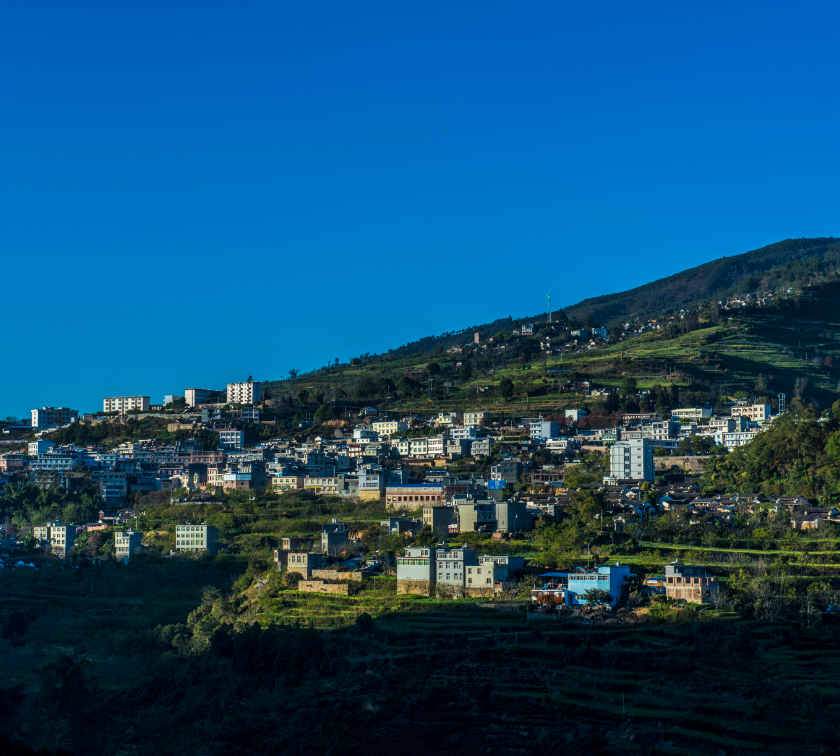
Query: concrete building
x,y
735,439
287,482
300,562
197,538
416,571
609,578
39,447
507,470
468,432
477,418
439,518
127,542
334,535
448,418
480,447
476,516
451,566
661,430
413,495
196,396
247,392
542,430
389,427
230,438
575,415
632,460
60,537
690,583
756,413
123,404
691,413
53,417
513,517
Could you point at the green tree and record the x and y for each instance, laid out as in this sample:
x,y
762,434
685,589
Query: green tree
x,y
628,386
433,368
506,388
465,373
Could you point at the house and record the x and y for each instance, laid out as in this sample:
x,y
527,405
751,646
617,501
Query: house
x,y
197,538
690,583
612,578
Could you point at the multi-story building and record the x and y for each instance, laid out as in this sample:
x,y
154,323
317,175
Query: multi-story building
x,y
575,415
480,447
230,438
50,461
416,571
389,427
123,404
757,413
448,418
691,413
12,461
418,447
196,396
451,566
609,578
39,447
287,482
728,424
452,573
476,516
477,418
661,430
542,430
507,470
436,446
632,460
60,537
413,495
302,562
334,535
439,517
52,417
197,538
246,392
127,542
466,432
513,517
733,440
690,583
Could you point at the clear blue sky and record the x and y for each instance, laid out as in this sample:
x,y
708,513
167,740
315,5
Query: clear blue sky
x,y
194,192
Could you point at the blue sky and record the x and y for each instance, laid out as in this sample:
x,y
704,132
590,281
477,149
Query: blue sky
x,y
194,192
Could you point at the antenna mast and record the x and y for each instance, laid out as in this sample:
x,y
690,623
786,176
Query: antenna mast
x,y
549,308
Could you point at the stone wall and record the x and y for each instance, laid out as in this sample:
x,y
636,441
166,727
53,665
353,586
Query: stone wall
x,y
319,586
688,464
419,587
337,575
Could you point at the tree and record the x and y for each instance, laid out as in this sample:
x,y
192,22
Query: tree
x,y
433,368
506,388
599,598
303,395
465,373
628,386
293,373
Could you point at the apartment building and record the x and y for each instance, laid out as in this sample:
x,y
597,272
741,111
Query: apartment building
x,y
52,417
197,538
436,446
60,537
124,404
39,447
439,517
735,439
196,396
12,461
127,542
418,447
414,495
389,427
756,413
632,460
691,413
231,439
287,482
246,392
448,418
661,430
476,418
507,470
542,430
451,566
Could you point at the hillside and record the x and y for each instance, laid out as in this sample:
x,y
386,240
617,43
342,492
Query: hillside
x,y
790,347
726,276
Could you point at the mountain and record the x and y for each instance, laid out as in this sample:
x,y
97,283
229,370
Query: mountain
x,y
780,264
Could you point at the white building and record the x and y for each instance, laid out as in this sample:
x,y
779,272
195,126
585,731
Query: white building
x,y
195,396
246,392
231,439
476,418
127,542
124,404
39,447
691,413
60,537
757,413
389,427
52,417
632,460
